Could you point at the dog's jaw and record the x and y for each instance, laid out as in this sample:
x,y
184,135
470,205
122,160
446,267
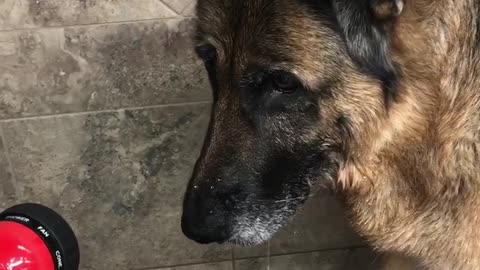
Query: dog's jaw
x,y
258,226
252,231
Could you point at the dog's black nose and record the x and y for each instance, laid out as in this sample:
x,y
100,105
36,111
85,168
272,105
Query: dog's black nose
x,y
204,219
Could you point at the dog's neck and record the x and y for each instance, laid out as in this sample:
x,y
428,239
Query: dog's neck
x,y
437,45
437,42
435,118
428,154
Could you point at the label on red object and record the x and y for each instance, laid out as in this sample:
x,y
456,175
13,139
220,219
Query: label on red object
x,y
18,218
59,259
43,231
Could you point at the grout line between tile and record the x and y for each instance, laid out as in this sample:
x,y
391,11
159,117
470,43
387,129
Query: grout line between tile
x,y
181,265
249,258
233,258
187,6
9,159
169,7
93,24
46,116
315,251
269,255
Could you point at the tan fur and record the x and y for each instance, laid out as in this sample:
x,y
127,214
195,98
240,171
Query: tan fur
x,y
411,180
422,197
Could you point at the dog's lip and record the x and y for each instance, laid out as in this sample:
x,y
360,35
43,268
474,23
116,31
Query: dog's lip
x,y
234,240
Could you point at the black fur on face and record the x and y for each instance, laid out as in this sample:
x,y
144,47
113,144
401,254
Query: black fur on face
x,y
274,133
365,35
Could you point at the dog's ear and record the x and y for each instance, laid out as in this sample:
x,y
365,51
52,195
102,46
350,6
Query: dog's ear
x,y
364,25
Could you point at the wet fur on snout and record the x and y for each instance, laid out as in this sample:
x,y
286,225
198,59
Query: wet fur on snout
x,y
387,104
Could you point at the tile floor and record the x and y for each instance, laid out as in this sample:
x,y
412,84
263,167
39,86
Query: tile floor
x,y
103,107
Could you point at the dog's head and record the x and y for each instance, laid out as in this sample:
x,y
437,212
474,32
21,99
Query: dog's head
x,y
297,84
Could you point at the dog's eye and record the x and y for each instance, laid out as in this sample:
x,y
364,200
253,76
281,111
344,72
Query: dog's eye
x,y
285,82
207,52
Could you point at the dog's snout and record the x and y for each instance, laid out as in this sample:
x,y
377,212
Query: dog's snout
x,y
205,216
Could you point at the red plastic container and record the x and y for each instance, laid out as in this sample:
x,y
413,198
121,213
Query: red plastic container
x,y
34,237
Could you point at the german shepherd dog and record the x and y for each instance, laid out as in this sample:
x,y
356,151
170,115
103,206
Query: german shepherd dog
x,y
379,99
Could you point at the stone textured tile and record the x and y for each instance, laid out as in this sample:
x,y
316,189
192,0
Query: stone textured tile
x,y
51,71
362,258
319,225
7,187
250,252
357,259
251,264
210,266
16,14
119,179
